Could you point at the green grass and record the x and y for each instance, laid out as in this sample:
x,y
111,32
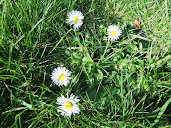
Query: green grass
x,y
119,83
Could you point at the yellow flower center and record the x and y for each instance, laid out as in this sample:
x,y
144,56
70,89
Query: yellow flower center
x,y
68,105
61,76
113,33
75,19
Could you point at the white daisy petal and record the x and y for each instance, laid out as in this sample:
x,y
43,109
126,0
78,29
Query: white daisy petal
x,y
114,32
61,76
75,18
68,106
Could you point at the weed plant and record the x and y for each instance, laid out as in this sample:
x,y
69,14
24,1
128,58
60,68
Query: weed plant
x,y
122,83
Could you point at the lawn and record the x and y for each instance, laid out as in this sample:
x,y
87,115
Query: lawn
x,y
121,82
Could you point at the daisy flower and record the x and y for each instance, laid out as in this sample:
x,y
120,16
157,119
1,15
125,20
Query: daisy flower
x,y
61,76
113,32
68,106
75,17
